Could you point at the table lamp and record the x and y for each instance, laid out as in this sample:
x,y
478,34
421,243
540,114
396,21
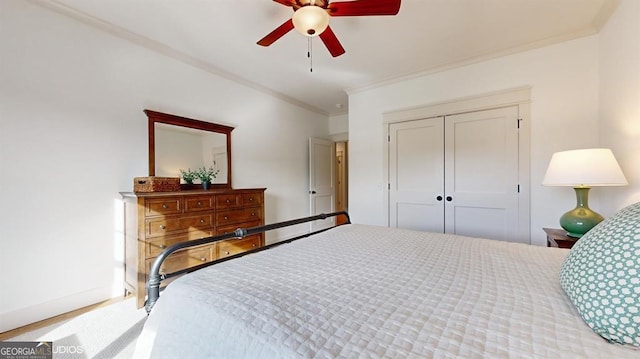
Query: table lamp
x,y
583,169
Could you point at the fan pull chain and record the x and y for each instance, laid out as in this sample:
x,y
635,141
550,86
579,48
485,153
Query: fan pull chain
x,y
310,54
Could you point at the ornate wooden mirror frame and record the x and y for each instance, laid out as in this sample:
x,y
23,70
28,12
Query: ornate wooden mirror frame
x,y
159,117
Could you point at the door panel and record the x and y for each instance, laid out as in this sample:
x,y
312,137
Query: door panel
x,y
416,177
480,222
481,177
321,181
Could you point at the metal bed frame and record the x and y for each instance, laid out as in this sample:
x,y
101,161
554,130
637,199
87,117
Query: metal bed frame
x,y
155,278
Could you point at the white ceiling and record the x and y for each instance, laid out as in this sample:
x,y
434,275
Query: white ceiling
x,y
426,36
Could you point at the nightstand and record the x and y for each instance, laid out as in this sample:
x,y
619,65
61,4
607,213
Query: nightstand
x,y
558,238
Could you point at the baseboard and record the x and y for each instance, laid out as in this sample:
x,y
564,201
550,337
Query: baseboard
x,y
28,315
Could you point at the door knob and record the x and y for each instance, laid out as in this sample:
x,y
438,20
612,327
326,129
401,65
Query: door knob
x,y
449,198
439,198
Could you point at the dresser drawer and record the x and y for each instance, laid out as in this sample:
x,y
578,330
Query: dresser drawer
x,y
238,215
200,203
168,225
251,199
162,206
156,246
235,246
224,201
185,259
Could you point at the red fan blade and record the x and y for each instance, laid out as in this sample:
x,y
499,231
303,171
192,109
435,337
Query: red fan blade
x,y
279,32
331,42
286,2
364,8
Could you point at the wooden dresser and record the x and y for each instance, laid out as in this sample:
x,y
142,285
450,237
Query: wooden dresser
x,y
154,221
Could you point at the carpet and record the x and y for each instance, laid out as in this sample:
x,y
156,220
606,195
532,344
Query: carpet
x,y
106,332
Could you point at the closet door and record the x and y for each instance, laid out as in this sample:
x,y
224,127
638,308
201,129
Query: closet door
x,y
481,174
416,174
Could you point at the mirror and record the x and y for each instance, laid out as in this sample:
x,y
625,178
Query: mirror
x,y
177,143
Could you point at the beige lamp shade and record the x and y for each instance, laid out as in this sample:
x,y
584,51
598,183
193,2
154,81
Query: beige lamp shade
x,y
310,20
584,168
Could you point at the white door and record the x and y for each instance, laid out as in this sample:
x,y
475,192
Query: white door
x,y
321,181
416,174
481,180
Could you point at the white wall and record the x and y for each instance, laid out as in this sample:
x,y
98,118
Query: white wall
x,y
565,90
339,127
339,124
73,134
620,99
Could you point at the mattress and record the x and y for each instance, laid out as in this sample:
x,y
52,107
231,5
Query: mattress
x,y
359,291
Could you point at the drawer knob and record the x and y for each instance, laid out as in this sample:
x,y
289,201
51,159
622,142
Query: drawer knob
x,y
162,246
253,214
228,200
202,220
227,253
225,217
250,199
164,205
253,244
162,226
203,259
199,204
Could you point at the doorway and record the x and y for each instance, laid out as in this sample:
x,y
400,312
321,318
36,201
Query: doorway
x,y
328,180
342,179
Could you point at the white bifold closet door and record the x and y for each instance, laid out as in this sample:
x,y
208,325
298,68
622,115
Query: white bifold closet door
x,y
416,174
456,174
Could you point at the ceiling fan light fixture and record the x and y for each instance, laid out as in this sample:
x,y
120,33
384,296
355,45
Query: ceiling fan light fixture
x,y
310,20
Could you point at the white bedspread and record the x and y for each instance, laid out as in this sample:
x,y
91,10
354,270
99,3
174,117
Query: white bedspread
x,y
361,291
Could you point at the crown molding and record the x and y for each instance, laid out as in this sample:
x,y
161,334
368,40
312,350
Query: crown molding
x,y
607,9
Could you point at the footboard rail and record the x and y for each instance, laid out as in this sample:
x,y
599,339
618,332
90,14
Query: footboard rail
x,y
155,278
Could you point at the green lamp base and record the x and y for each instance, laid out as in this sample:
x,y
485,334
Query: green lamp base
x,y
581,219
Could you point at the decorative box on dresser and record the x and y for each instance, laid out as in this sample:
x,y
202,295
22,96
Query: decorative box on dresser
x,y
154,221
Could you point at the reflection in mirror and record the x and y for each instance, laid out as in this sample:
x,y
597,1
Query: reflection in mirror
x,y
177,143
180,148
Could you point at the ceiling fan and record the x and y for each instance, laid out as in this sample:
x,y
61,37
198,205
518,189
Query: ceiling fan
x,y
311,18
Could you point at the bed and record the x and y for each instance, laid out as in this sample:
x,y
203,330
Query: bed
x,y
362,291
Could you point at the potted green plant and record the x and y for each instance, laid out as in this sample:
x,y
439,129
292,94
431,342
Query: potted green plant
x,y
206,175
188,176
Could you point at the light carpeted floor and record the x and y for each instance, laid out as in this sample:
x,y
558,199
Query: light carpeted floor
x,y
107,332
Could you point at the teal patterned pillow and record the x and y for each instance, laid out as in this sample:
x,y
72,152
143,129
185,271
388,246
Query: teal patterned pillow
x,y
601,276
